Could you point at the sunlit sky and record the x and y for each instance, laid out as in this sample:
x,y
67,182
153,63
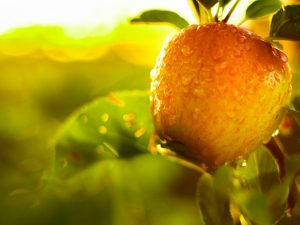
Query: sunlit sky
x,y
80,13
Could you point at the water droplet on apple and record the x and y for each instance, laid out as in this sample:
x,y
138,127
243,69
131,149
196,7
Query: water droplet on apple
x,y
242,39
275,133
220,67
198,92
217,54
186,80
237,53
186,50
283,57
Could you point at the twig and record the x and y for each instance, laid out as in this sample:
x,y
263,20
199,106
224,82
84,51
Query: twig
x,y
276,149
217,14
225,20
197,8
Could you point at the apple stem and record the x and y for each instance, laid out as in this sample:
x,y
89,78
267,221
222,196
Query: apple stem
x,y
225,20
216,17
155,148
197,9
276,149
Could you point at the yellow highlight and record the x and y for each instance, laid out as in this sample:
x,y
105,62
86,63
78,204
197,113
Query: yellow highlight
x,y
129,117
139,133
105,117
102,130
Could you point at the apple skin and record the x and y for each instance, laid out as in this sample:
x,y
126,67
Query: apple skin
x,y
219,90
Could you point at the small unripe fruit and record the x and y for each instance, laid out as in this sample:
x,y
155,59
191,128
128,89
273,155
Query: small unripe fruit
x,y
219,90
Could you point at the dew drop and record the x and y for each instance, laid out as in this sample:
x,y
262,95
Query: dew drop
x,y
153,73
198,92
243,163
270,67
242,39
186,80
275,133
283,57
270,79
260,69
196,113
233,30
186,50
172,120
217,54
220,67
237,53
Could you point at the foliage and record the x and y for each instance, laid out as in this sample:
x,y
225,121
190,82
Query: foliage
x,y
262,8
286,23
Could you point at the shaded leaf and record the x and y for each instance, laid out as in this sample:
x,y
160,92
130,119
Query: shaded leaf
x,y
208,3
277,44
259,171
213,203
261,188
118,125
261,8
286,23
223,3
255,205
161,16
115,192
205,14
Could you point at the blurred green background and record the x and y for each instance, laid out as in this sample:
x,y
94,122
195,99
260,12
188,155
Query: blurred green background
x,y
47,72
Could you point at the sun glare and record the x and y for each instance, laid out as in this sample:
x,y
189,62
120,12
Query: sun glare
x,y
77,15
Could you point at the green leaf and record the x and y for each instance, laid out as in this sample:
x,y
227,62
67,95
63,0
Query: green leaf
x,y
277,44
223,3
161,16
213,203
286,23
259,171
118,125
255,205
262,195
205,14
261,8
114,192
